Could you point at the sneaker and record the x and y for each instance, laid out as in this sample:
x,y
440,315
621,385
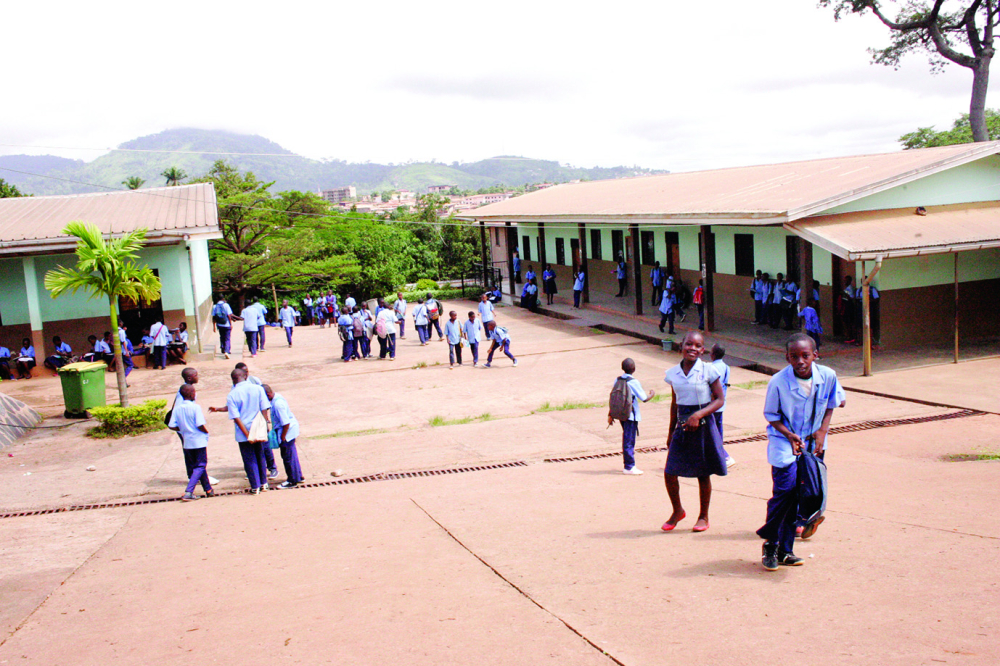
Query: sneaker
x,y
255,491
515,362
789,559
633,470
487,365
265,488
811,528
227,356
730,461
188,497
271,473
210,492
288,484
770,556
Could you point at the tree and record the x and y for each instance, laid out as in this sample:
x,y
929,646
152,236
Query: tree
x,y
944,34
174,176
960,132
134,182
106,269
7,190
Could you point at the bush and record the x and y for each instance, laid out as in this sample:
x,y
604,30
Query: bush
x,y
129,421
423,284
439,294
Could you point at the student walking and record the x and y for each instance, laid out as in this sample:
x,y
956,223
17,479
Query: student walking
x,y
250,316
667,310
619,272
579,278
188,420
246,403
287,428
486,310
286,315
222,321
399,308
500,340
261,324
470,331
811,323
345,328
656,279
159,333
434,315
626,393
798,407
549,283
453,332
385,329
421,322
694,441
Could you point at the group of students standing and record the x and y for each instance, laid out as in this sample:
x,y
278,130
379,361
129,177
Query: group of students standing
x,y
262,420
798,408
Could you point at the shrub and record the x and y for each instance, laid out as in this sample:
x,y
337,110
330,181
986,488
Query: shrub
x,y
423,284
130,421
439,294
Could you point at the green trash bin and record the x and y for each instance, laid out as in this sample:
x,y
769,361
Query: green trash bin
x,y
83,387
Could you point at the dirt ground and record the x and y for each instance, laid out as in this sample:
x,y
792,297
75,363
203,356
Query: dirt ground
x,y
539,563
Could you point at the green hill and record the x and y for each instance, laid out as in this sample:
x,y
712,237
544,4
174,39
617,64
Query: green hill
x,y
270,162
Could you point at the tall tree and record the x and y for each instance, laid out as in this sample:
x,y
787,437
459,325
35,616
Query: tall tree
x,y
961,33
106,269
174,176
133,182
960,132
7,190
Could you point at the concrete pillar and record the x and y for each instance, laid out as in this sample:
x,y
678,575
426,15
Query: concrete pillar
x,y
34,308
805,270
511,242
636,268
541,246
582,230
708,272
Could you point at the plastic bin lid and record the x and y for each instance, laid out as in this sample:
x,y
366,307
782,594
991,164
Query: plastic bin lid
x,y
84,367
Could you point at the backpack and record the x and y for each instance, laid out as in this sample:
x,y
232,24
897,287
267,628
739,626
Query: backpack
x,y
811,482
380,329
433,312
344,332
620,402
359,328
219,316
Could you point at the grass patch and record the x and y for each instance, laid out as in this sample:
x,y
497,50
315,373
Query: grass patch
x,y
422,364
569,404
660,397
438,421
351,433
967,457
750,386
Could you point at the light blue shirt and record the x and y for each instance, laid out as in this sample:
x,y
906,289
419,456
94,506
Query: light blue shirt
x,y
666,303
695,388
102,347
287,316
453,331
529,275
620,271
224,310
578,282
187,416
4,352
755,289
399,307
251,318
28,351
723,369
486,311
776,290
63,348
160,334
420,315
800,412
638,395
656,276
348,322
260,306
281,416
810,320
350,302
499,334
245,402
788,291
517,264
471,329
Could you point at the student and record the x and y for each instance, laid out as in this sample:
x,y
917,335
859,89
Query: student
x,y
798,407
385,327
500,340
680,293
350,303
875,305
251,325
695,444
399,308
811,323
470,331
345,327
619,271
486,310
496,295
188,420
453,331
367,329
261,324
96,352
145,343
358,329
250,378
222,321
549,283
434,314
244,403
517,267
579,278
667,310
774,306
61,355
755,294
531,295
718,354
127,352
286,315
788,301
158,331
699,299
178,350
307,306
630,426
287,428
848,297
4,363
26,359
421,321
656,279
529,275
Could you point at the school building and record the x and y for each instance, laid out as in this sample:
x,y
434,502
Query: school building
x,y
179,222
923,225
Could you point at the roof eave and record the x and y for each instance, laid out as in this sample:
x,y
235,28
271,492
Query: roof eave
x,y
690,219
41,246
888,253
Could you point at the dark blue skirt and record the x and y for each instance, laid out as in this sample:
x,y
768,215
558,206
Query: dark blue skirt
x,y
697,453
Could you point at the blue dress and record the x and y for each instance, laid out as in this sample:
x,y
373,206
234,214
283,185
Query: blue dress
x,y
697,453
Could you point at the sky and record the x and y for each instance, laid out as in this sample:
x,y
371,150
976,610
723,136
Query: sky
x,y
668,85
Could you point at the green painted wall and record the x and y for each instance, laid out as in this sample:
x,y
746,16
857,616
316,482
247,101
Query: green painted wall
x,y
202,269
13,297
822,266
976,181
937,269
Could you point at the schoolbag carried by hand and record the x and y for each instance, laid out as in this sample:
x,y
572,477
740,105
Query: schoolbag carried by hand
x,y
620,402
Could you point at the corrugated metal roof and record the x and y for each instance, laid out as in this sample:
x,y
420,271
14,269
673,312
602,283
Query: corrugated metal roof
x,y
169,210
765,194
902,232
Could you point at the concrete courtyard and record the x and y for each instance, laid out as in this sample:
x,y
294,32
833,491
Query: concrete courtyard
x,y
533,562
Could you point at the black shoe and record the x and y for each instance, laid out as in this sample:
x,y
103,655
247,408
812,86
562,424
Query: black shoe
x,y
788,558
661,329
770,557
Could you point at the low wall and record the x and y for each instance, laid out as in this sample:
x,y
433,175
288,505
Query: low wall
x,y
15,413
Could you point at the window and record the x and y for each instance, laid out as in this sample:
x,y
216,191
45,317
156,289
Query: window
x,y
526,248
648,251
791,257
560,251
595,244
744,254
673,241
617,245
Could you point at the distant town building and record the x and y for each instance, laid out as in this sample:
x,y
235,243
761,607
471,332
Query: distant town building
x,y
432,189
338,194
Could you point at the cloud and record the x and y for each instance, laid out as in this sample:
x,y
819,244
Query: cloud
x,y
502,87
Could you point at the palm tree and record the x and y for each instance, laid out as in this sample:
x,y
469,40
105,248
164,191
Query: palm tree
x,y
106,268
174,176
133,182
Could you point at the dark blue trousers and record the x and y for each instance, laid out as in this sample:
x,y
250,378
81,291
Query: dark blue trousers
x,y
576,297
288,334
269,457
290,457
261,337
254,463
128,364
630,430
782,508
252,342
196,461
474,348
225,338
160,357
348,350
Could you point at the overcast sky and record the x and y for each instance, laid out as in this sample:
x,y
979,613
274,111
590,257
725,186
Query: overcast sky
x,y
666,84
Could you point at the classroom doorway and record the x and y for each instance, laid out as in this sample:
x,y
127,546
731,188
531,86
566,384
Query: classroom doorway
x,y
134,316
574,248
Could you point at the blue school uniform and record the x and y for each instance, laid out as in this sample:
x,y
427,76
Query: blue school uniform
x,y
251,324
346,323
453,331
666,310
245,401
501,340
698,453
187,417
471,331
578,282
281,415
630,426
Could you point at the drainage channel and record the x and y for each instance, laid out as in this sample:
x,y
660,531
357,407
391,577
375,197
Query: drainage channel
x,y
386,476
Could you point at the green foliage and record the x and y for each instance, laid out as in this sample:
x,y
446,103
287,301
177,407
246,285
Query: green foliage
x,y
750,386
133,182
439,294
7,190
424,284
438,421
174,176
568,405
960,132
119,422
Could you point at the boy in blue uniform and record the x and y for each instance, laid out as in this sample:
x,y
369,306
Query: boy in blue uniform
x,y
286,315
667,309
251,323
188,420
811,323
718,354
287,427
619,272
798,408
501,340
244,402
470,331
222,321
453,331
630,427
578,280
345,325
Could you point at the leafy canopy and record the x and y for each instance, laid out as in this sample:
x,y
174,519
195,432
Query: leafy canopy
x,y
8,190
960,132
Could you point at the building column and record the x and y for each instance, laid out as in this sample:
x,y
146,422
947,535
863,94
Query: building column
x,y
707,272
511,241
541,245
805,270
636,268
487,267
582,230
34,308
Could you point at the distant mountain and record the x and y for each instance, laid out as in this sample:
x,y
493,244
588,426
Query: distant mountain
x,y
270,162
